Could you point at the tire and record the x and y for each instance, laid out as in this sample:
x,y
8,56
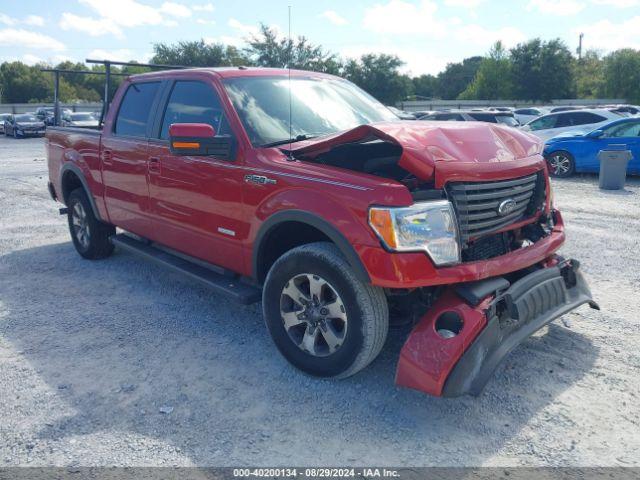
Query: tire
x,y
90,236
345,343
561,164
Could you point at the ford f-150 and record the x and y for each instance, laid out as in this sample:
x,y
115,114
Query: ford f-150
x,y
300,190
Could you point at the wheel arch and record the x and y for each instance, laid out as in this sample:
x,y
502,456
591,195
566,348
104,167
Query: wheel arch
x,y
304,224
72,177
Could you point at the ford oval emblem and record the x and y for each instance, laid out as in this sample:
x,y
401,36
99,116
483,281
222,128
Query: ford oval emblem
x,y
507,206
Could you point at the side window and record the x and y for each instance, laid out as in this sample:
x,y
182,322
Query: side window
x,y
631,129
193,102
585,118
484,117
135,109
542,123
566,120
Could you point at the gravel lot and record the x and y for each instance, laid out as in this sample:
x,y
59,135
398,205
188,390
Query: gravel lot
x,y
93,353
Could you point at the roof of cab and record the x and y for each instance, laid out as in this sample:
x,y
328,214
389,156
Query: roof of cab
x,y
233,72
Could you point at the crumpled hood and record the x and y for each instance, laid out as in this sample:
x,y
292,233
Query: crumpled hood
x,y
446,146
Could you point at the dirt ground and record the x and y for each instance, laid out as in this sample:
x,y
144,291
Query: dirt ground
x,y
93,353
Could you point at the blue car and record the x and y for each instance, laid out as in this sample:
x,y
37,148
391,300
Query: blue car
x,y
578,151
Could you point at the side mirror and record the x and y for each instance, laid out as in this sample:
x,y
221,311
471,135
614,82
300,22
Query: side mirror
x,y
199,139
595,134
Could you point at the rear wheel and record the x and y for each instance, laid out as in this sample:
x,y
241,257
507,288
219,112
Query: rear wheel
x,y
561,164
89,235
321,317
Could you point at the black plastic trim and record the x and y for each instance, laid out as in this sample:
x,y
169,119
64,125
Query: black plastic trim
x,y
500,337
475,292
317,222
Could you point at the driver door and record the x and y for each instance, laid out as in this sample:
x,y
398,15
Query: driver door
x,y
196,201
622,136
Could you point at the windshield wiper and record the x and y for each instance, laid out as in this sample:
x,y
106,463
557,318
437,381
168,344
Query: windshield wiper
x,y
299,138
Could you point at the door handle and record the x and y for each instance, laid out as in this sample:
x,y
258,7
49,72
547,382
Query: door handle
x,y
154,165
106,157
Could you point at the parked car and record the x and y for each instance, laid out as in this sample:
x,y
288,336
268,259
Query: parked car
x,y
353,211
578,152
566,108
548,126
47,114
23,125
505,118
3,118
80,119
401,114
626,110
525,115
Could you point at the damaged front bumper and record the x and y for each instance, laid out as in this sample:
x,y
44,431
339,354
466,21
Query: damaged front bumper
x,y
458,344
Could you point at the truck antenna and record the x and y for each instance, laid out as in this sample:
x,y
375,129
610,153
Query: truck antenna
x,y
289,49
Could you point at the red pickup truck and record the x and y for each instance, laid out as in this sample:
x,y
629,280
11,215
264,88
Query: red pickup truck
x,y
300,190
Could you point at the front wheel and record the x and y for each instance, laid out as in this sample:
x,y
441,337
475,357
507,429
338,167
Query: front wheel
x,y
324,320
89,235
561,164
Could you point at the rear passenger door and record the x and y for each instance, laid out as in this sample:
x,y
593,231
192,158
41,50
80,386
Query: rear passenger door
x,y
124,159
196,200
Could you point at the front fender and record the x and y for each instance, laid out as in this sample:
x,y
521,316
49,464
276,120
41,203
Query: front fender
x,y
345,224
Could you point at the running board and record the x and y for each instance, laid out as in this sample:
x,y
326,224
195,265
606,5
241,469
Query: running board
x,y
241,292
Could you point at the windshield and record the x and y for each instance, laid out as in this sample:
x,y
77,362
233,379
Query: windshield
x,y
318,107
26,118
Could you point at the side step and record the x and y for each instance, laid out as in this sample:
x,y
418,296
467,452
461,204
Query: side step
x,y
242,293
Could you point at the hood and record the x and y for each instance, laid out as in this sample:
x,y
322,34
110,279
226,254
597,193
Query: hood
x,y
460,150
29,124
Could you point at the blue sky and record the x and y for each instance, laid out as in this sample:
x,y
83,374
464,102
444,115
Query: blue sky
x,y
426,34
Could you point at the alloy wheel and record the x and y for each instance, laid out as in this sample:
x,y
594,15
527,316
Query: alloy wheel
x,y
313,314
80,225
560,164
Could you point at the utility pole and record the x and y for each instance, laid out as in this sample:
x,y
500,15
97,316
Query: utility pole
x,y
580,46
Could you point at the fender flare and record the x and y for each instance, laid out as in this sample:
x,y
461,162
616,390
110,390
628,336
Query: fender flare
x,y
317,222
78,173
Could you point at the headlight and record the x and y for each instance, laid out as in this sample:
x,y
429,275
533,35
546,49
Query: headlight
x,y
428,227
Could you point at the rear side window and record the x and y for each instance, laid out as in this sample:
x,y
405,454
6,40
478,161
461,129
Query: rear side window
x,y
583,118
135,110
193,102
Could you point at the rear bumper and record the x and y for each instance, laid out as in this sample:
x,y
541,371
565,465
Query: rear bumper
x,y
490,318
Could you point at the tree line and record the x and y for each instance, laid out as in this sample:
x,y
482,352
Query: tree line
x,y
535,70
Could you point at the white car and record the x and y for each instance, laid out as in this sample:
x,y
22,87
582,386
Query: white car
x,y
80,119
525,115
548,126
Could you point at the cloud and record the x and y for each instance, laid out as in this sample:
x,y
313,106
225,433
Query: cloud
x,y
7,20
34,20
202,21
617,3
30,59
90,26
333,17
175,9
400,17
483,38
608,35
125,13
245,29
118,55
207,7
13,37
556,7
463,3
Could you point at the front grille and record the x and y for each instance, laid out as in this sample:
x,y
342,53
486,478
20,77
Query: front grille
x,y
487,247
476,203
